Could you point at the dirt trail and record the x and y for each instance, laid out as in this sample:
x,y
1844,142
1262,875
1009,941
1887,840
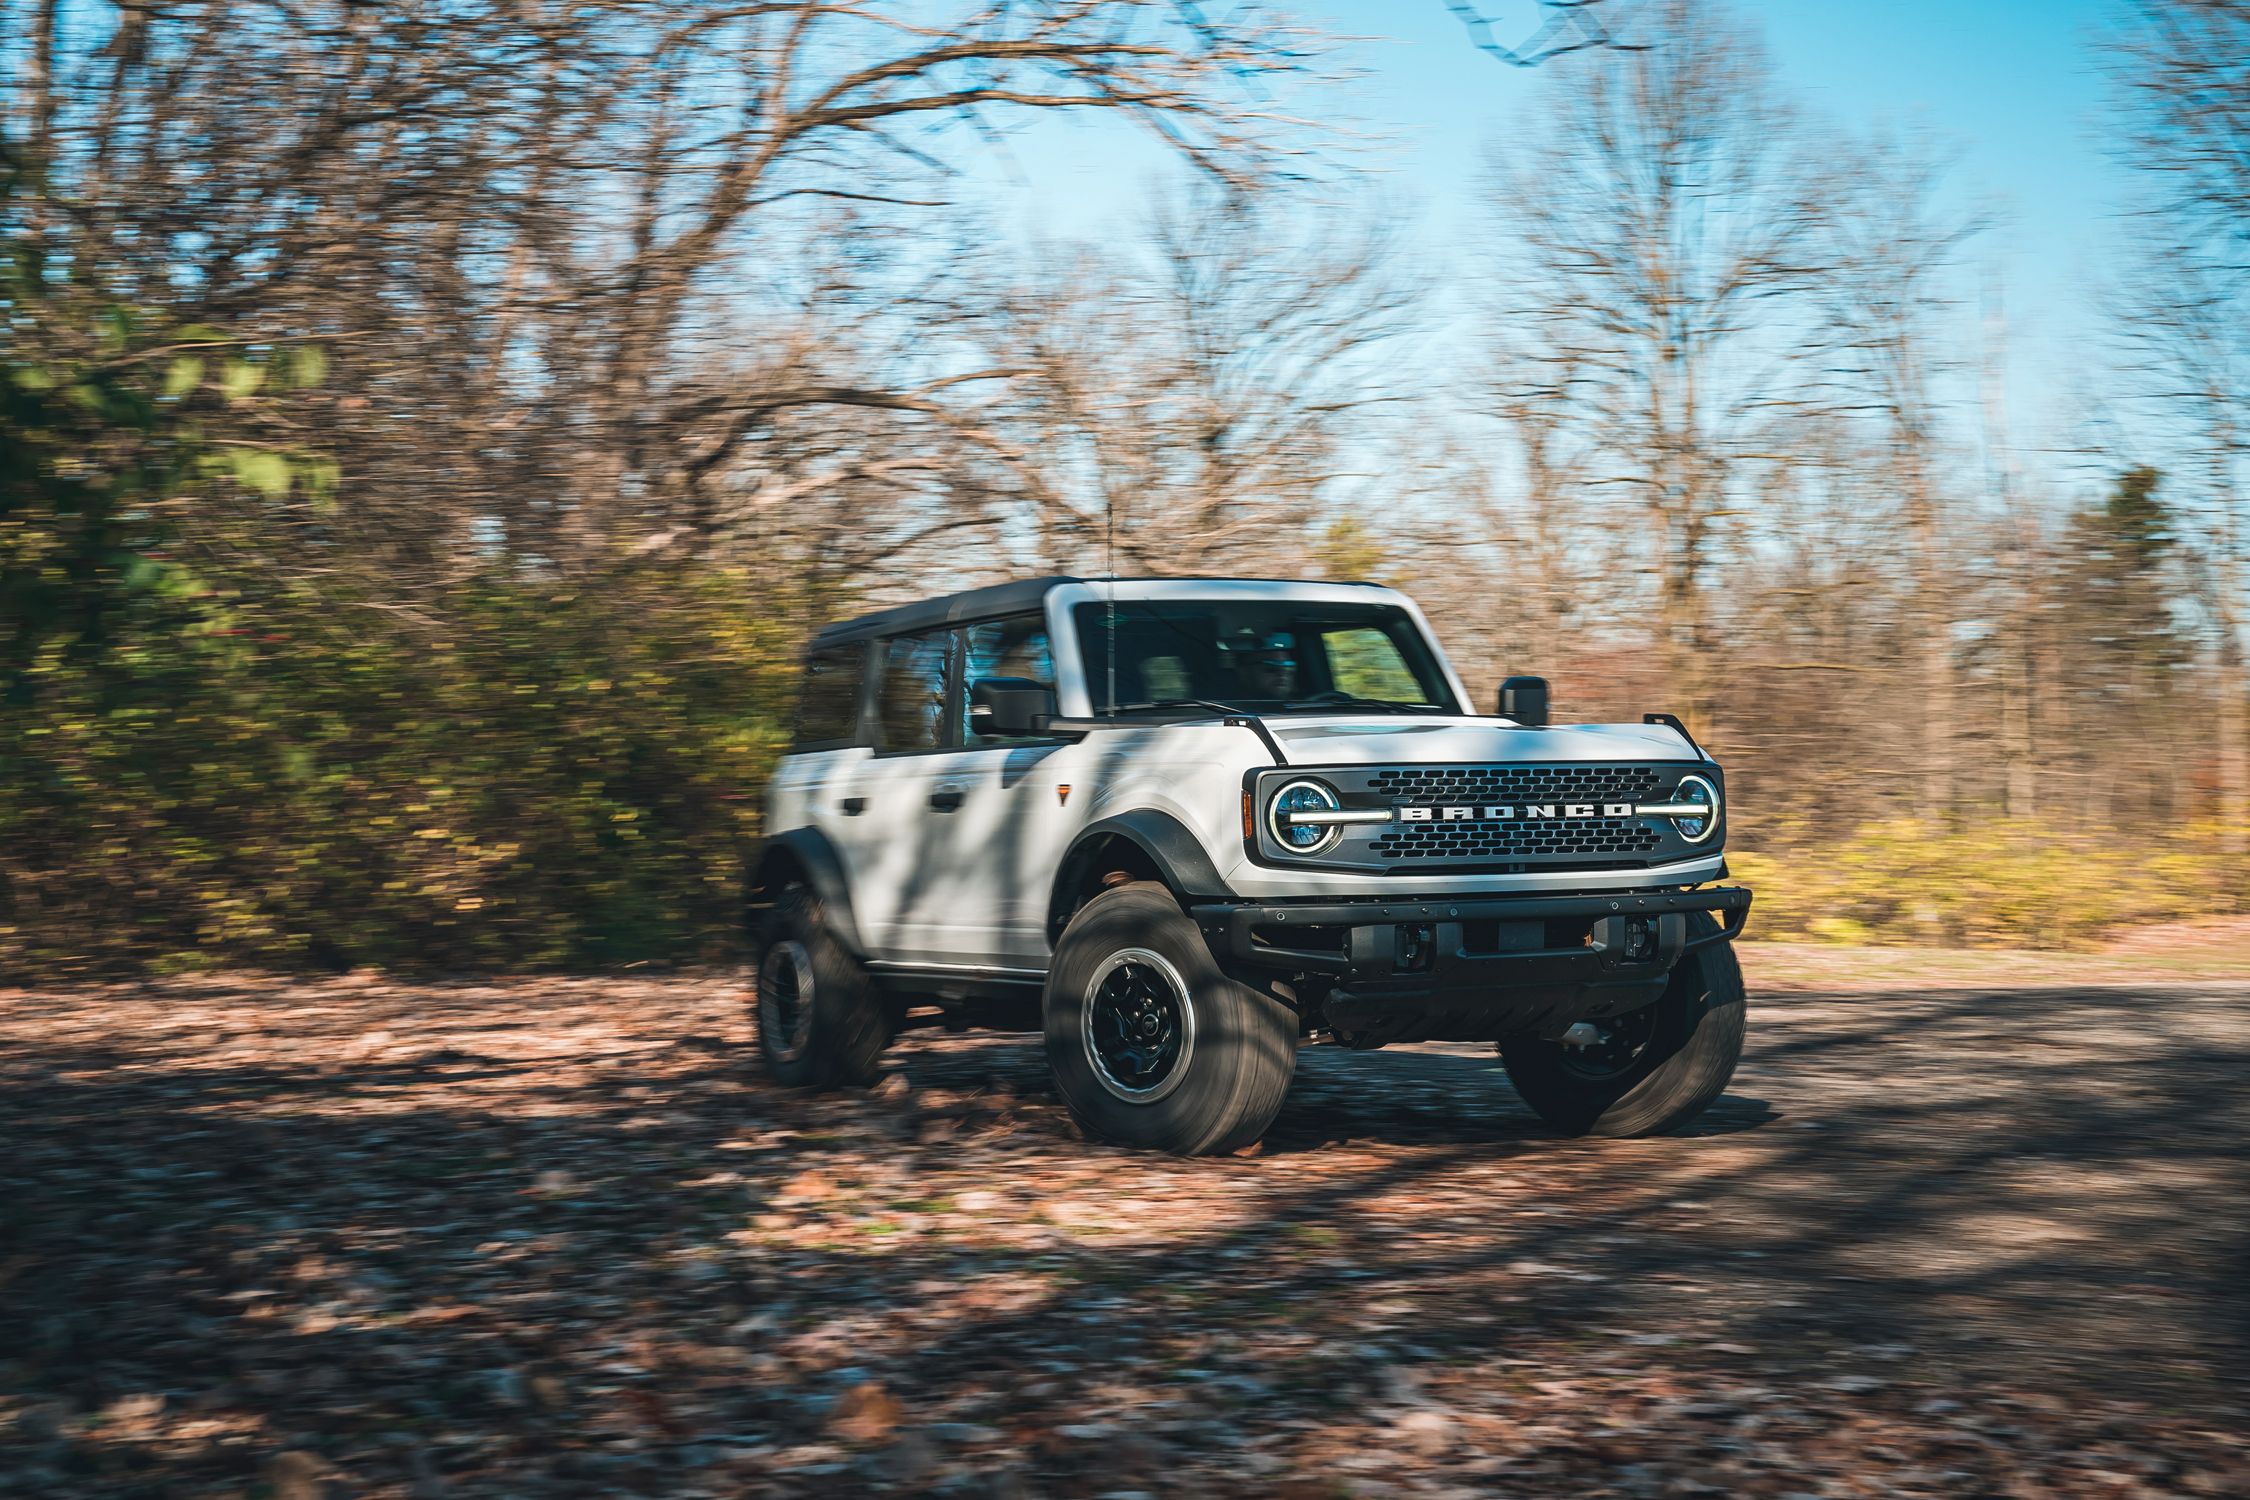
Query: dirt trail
x,y
554,1237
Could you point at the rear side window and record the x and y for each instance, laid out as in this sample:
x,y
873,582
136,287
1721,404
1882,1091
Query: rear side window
x,y
828,699
910,700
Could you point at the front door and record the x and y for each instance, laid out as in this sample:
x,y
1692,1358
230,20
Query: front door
x,y
1000,846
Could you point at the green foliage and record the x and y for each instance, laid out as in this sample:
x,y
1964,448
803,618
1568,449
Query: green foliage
x,y
108,432
284,779
1349,551
1997,883
204,761
2121,585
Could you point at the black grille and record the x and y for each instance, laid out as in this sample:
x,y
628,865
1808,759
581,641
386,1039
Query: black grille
x,y
1516,783
1588,838
1580,839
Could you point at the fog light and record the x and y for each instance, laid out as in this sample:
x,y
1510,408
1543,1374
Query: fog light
x,y
1640,939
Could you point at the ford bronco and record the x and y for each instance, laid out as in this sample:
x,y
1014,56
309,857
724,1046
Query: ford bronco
x,y
1184,826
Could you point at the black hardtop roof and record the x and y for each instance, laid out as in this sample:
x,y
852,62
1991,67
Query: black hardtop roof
x,y
1020,597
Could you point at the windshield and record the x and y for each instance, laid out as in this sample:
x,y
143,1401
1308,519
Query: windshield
x,y
1257,655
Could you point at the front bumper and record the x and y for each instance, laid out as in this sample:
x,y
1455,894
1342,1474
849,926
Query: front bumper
x,y
1474,968
1253,883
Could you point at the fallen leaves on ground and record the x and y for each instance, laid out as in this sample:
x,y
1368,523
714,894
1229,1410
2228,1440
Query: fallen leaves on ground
x,y
263,1237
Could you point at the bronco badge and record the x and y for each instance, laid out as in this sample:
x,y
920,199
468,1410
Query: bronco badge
x,y
1507,811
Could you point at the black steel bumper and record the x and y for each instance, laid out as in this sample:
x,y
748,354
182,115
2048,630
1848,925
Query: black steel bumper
x,y
1475,967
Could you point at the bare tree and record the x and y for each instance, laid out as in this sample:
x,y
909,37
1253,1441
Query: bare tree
x,y
1882,294
551,232
2185,71
1190,407
2185,323
1651,233
1489,517
2185,67
1565,26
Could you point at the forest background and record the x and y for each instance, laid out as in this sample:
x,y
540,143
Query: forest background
x,y
430,428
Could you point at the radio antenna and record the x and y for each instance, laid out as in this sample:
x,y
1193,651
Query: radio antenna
x,y
1109,567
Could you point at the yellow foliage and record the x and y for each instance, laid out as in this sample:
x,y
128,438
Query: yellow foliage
x,y
1998,882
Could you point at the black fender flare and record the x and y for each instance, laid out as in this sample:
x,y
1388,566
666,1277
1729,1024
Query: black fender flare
x,y
1176,854
810,855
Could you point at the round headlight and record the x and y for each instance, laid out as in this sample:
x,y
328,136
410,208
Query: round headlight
x,y
1303,797
1694,791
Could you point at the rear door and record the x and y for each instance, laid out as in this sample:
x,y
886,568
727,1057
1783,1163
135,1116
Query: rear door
x,y
817,783
906,795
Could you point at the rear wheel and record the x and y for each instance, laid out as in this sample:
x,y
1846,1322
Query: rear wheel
x,y
820,1022
1150,1043
1651,1070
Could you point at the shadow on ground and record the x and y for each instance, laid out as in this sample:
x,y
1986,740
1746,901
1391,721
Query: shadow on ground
x,y
557,1238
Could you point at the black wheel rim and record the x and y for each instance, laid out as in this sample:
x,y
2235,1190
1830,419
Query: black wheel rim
x,y
1623,1039
785,996
1139,1025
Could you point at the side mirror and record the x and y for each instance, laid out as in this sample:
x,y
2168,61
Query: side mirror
x,y
1009,707
1524,699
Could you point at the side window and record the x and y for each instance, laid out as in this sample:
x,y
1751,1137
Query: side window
x,y
910,701
828,698
1005,648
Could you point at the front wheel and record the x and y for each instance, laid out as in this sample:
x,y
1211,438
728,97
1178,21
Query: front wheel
x,y
1151,1044
1653,1069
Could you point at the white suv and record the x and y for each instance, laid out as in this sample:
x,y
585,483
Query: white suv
x,y
1183,825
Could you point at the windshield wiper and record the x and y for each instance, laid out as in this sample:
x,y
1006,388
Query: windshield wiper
x,y
1204,703
1383,705
1242,716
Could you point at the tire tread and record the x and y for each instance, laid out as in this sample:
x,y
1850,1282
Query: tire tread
x,y
1709,1005
1246,1042
850,1026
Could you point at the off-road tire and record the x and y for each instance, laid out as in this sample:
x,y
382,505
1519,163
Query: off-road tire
x,y
836,1033
1223,1089
1684,1066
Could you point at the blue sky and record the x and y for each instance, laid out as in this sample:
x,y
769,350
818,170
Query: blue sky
x,y
2010,90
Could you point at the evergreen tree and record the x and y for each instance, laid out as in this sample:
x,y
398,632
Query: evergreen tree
x,y
2123,554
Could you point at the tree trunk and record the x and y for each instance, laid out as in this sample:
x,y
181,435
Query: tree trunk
x,y
2233,726
1935,620
2016,734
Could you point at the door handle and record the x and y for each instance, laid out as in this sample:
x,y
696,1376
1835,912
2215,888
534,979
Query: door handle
x,y
853,806
947,801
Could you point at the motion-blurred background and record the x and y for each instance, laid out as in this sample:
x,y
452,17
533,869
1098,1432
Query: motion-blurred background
x,y
428,430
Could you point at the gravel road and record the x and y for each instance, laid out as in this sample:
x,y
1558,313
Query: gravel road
x,y
354,1237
